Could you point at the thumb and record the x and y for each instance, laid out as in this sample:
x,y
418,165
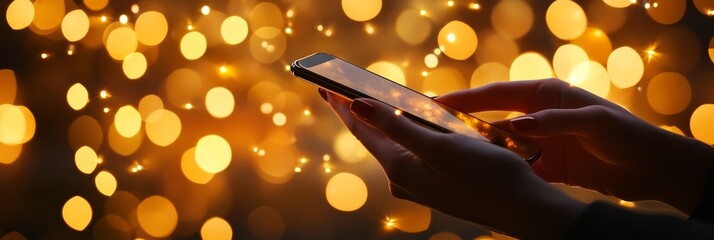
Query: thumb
x,y
584,121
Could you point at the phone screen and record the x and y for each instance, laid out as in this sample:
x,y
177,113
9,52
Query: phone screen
x,y
358,82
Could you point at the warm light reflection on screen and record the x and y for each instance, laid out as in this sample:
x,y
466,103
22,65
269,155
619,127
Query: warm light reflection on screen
x,y
393,94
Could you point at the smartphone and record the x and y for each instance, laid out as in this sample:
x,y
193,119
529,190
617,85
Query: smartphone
x,y
346,79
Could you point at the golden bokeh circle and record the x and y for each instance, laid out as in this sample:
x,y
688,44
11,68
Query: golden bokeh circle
x,y
10,153
625,67
701,123
668,12
163,127
96,5
85,131
191,170
591,76
412,27
618,3
12,124
122,145
121,42
346,192
496,48
566,58
216,228
489,73
86,159
596,44
446,236
106,183
704,6
48,14
530,65
213,153
20,14
234,30
457,40
77,96
30,124
408,216
389,71
512,18
183,86
148,104
348,148
266,15
566,19
361,10
277,163
134,65
193,45
267,50
220,102
127,121
151,28
75,25
77,213
669,93
443,80
606,18
8,86
157,216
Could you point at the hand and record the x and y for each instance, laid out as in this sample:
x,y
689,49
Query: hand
x,y
590,142
458,175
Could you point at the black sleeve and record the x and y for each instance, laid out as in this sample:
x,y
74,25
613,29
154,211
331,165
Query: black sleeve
x,y
602,220
705,210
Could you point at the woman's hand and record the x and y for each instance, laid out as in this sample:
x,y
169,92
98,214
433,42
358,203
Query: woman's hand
x,y
590,142
458,175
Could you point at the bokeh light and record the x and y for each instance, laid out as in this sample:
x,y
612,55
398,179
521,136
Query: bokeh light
x,y
346,192
86,159
127,121
216,228
163,127
667,12
75,25
457,40
77,213
443,80
567,58
121,42
566,19
596,44
10,153
530,65
592,77
412,27
234,30
213,153
151,28
220,102
134,65
389,71
148,104
669,93
77,96
625,67
8,86
409,216
157,216
106,183
348,148
193,45
191,170
618,3
512,18
361,10
13,125
489,73
122,145
700,123
85,131
20,14
48,15
495,47
96,5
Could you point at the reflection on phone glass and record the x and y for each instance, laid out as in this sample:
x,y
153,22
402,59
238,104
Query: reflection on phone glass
x,y
393,94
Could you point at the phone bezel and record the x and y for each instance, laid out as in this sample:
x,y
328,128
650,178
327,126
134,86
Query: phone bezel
x,y
299,69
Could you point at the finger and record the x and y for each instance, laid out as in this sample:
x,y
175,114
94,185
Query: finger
x,y
393,124
585,121
523,96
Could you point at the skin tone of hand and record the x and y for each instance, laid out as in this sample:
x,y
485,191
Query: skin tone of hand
x,y
590,142
458,175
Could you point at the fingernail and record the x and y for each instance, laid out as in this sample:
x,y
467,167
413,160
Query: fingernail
x,y
322,93
524,124
362,109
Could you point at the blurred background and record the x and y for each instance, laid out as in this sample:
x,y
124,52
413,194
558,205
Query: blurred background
x,y
180,119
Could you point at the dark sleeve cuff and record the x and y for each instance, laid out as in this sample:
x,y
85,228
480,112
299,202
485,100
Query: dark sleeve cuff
x,y
602,220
